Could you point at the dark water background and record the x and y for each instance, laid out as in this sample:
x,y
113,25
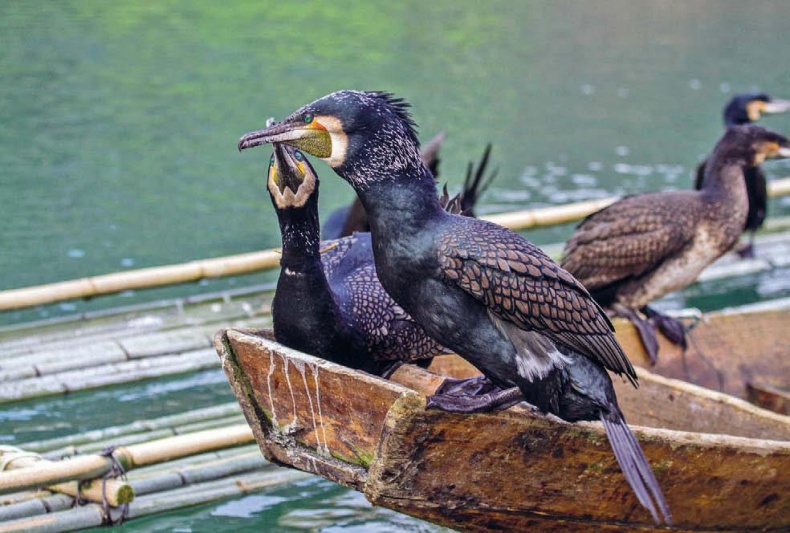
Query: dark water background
x,y
119,122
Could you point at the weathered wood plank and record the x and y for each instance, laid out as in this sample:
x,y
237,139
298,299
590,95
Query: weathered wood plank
x,y
303,409
773,398
482,471
507,470
742,347
658,402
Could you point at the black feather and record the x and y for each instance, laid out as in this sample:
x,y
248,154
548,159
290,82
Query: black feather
x,y
634,465
401,108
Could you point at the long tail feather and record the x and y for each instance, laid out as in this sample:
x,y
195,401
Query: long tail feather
x,y
635,467
474,184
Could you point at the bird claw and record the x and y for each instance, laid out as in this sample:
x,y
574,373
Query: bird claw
x,y
474,386
498,399
746,252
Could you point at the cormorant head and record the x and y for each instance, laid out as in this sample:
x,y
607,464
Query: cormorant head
x,y
362,135
749,107
292,179
751,145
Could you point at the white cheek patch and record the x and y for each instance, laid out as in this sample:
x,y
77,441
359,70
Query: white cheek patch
x,y
288,198
338,138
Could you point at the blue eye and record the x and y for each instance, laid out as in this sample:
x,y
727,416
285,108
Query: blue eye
x,y
308,119
298,155
271,160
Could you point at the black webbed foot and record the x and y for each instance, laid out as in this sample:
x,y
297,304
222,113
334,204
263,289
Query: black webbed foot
x,y
497,399
672,328
475,386
645,328
747,252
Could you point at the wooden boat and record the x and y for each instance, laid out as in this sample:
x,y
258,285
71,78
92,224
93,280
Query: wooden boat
x,y
723,463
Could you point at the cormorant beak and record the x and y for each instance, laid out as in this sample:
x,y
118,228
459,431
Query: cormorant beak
x,y
312,138
292,180
777,150
286,173
775,105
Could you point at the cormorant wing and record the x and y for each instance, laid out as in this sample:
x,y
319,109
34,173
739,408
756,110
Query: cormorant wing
x,y
390,333
629,238
522,285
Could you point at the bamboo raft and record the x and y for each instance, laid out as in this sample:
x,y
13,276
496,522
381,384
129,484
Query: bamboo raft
x,y
722,462
170,463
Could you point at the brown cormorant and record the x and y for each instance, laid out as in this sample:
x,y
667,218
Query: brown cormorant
x,y
346,220
744,109
480,289
331,303
645,246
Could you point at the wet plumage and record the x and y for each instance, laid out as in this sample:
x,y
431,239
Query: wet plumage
x,y
744,109
482,290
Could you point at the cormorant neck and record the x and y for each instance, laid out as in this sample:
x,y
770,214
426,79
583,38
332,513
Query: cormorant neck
x,y
401,200
725,180
300,232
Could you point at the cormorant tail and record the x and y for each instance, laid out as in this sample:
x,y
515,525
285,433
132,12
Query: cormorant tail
x,y
634,465
474,184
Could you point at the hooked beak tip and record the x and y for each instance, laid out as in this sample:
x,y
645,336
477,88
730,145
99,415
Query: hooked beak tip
x,y
248,140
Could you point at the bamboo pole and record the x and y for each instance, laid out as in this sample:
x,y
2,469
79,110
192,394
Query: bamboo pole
x,y
199,473
549,216
91,515
94,466
112,374
37,506
267,259
28,472
138,426
138,279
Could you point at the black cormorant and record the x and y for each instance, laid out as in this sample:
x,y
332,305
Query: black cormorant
x,y
480,289
743,109
331,303
647,245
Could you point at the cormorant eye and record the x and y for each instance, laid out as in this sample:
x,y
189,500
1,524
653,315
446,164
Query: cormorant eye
x,y
271,160
298,155
308,119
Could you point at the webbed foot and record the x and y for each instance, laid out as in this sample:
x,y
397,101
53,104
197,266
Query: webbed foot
x,y
672,328
475,386
645,328
497,399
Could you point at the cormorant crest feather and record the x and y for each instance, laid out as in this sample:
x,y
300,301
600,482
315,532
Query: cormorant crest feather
x,y
401,108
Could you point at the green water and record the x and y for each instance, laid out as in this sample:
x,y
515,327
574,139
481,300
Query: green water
x,y
119,122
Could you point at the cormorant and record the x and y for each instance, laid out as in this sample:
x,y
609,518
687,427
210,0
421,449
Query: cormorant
x,y
331,303
344,221
480,289
647,245
743,109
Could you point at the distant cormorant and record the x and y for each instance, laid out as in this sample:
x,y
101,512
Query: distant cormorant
x,y
480,289
647,245
743,109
